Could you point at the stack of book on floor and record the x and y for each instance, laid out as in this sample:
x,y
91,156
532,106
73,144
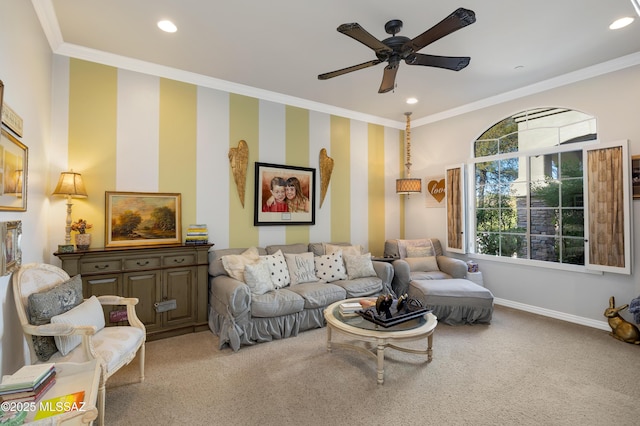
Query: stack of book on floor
x,y
28,384
197,234
350,308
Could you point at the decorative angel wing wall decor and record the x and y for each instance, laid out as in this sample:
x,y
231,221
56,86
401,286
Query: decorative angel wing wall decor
x,y
326,167
239,161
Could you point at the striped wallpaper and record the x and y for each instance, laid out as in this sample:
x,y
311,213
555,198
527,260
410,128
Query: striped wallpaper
x,y
129,131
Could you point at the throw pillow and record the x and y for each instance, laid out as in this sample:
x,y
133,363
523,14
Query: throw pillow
x,y
330,267
302,269
423,264
43,306
359,266
88,312
234,263
350,250
420,251
278,269
403,244
258,277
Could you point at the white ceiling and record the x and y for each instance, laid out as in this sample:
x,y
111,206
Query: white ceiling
x,y
275,49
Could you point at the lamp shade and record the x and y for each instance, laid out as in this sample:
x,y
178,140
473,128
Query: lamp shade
x,y
408,185
70,184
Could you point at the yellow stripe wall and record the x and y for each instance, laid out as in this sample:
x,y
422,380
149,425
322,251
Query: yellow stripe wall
x,y
179,141
92,138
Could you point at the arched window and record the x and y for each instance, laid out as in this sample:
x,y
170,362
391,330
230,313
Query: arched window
x,y
528,193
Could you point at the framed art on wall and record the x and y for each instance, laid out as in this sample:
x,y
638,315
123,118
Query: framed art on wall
x,y
635,176
142,219
284,195
13,173
11,234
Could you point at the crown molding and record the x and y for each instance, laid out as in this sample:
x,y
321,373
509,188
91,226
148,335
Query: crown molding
x,y
48,20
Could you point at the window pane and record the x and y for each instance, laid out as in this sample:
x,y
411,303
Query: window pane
x,y
486,147
488,243
509,170
572,193
544,222
545,193
573,222
544,248
486,198
571,164
544,167
582,129
488,220
509,143
513,246
573,251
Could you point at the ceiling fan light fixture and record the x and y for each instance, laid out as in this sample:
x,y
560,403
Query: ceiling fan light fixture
x,y
167,26
408,185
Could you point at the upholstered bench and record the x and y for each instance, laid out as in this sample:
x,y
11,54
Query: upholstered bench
x,y
455,301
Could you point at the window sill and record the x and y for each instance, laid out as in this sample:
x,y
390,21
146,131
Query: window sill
x,y
535,263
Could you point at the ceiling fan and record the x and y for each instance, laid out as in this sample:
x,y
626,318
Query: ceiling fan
x,y
396,48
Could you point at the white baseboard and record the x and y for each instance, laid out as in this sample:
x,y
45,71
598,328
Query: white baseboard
x,y
602,325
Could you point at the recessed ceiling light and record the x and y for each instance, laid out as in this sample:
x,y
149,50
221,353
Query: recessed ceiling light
x,y
167,26
412,101
620,23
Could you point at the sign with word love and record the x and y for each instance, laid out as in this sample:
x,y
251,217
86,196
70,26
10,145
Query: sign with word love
x,y
435,191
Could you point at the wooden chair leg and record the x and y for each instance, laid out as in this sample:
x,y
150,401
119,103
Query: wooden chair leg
x,y
101,403
141,355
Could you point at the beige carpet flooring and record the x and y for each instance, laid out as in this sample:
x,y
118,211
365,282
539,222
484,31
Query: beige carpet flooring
x,y
523,369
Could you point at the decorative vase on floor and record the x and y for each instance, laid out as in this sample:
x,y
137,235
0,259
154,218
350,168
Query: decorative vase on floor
x,y
83,241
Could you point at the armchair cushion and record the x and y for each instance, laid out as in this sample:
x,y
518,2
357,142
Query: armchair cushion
x,y
44,305
88,312
403,245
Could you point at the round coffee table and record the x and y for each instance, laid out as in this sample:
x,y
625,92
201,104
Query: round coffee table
x,y
363,330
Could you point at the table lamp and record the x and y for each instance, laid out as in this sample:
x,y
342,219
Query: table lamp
x,y
70,185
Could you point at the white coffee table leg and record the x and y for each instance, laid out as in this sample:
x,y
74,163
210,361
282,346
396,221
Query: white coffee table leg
x,y
328,338
381,346
430,347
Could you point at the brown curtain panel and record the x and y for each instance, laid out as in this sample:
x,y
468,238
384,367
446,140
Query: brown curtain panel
x,y
454,209
606,207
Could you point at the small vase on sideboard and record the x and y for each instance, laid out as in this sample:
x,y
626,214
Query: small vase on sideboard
x,y
83,241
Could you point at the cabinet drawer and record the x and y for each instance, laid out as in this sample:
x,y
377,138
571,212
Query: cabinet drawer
x,y
141,263
179,260
106,265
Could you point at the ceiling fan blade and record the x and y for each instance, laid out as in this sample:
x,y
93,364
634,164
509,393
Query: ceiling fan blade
x,y
458,19
388,78
356,32
336,73
455,63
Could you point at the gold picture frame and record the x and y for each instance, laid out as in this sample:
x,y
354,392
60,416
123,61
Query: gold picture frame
x,y
635,176
14,157
142,219
11,256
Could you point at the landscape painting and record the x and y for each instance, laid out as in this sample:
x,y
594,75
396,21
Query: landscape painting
x,y
142,219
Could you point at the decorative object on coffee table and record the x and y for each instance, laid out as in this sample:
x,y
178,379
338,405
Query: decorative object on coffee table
x,y
620,328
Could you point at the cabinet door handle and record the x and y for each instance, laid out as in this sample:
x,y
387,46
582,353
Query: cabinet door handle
x,y
146,262
105,266
178,260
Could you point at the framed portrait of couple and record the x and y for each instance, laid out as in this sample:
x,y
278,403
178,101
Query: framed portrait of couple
x,y
284,195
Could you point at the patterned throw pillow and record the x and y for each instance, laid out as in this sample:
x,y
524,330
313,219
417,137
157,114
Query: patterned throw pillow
x,y
47,304
278,269
258,277
359,266
330,267
234,264
302,268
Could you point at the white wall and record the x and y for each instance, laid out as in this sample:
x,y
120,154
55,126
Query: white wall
x,y
615,102
25,69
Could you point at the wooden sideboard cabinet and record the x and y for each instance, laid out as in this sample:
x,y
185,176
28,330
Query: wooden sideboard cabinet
x,y
177,273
